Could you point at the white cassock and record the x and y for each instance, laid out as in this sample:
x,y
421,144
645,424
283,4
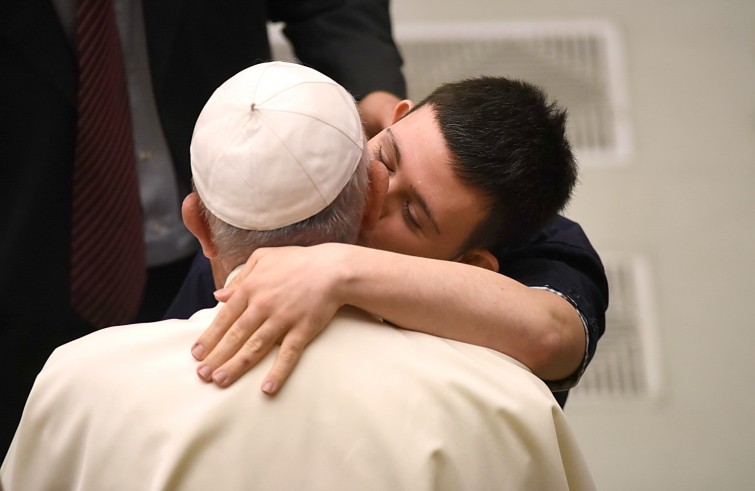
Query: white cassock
x,y
369,407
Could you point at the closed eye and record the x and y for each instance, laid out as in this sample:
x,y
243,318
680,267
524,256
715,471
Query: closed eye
x,y
409,218
422,204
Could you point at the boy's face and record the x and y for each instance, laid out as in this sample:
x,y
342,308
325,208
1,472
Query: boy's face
x,y
428,210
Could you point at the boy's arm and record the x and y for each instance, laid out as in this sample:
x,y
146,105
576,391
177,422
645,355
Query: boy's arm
x,y
453,300
294,292
560,258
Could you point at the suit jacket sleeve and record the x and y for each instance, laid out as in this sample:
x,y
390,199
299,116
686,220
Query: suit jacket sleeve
x,y
350,41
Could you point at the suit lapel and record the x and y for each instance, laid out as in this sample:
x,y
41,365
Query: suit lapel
x,y
161,21
33,29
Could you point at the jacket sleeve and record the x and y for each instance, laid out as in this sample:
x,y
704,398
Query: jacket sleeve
x,y
349,40
560,258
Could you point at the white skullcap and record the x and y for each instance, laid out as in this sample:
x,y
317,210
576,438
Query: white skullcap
x,y
274,145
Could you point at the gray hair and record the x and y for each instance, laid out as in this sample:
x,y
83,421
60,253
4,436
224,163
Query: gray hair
x,y
338,222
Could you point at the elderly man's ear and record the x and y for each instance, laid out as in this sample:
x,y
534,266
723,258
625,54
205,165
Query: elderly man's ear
x,y
197,224
378,188
376,193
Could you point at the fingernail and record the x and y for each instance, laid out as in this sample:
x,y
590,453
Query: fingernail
x,y
204,371
219,377
197,351
268,387
219,291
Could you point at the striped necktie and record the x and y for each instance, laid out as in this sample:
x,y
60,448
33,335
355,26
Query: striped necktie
x,y
107,255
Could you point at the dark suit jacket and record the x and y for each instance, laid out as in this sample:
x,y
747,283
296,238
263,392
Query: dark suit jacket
x,y
193,47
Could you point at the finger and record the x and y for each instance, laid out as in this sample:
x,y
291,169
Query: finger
x,y
223,294
288,356
230,344
229,313
247,356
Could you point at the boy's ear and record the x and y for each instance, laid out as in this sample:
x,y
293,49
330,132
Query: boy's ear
x,y
197,225
480,257
401,109
376,192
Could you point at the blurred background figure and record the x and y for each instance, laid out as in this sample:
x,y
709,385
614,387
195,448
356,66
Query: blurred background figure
x,y
99,100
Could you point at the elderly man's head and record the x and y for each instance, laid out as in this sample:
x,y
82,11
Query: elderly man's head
x,y
278,158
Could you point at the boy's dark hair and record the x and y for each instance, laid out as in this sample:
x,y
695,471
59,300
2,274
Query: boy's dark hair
x,y
510,142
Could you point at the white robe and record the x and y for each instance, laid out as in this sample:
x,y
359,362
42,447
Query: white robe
x,y
369,407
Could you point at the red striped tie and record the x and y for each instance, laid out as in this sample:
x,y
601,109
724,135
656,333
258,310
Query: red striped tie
x,y
108,268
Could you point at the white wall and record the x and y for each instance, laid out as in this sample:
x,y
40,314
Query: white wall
x,y
686,202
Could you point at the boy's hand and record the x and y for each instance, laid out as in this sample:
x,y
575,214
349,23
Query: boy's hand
x,y
284,295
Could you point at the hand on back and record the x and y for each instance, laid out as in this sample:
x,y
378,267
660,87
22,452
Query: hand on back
x,y
283,295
